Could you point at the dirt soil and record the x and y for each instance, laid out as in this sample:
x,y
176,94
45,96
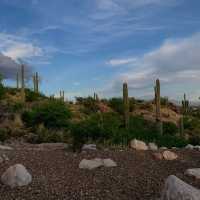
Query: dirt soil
x,y
56,174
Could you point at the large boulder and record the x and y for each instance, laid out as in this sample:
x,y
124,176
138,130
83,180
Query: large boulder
x,y
138,145
16,175
176,189
152,146
169,155
91,164
193,172
109,163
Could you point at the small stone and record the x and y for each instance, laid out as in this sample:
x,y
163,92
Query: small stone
x,y
197,148
91,164
168,155
16,175
89,147
138,145
109,163
163,148
189,146
193,172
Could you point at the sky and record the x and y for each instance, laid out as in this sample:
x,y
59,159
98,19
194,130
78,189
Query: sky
x,y
87,46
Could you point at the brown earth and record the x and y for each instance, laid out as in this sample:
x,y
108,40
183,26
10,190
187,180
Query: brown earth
x,y
56,174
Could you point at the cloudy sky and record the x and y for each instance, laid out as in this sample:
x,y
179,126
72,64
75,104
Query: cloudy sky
x,y
82,46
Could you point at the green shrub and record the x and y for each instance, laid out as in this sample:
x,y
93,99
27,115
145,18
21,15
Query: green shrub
x,y
90,105
44,135
194,140
170,128
54,114
4,134
16,107
117,105
98,127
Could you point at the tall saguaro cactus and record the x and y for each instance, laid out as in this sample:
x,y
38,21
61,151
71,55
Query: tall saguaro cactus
x,y
185,105
157,102
17,80
62,95
23,96
36,82
126,105
185,108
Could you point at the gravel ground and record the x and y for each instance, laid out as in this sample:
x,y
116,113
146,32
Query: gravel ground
x,y
56,175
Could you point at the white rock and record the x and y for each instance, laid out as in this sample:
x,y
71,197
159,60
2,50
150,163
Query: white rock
x,y
91,164
168,155
176,189
16,175
89,147
193,172
189,146
7,148
153,147
109,163
138,145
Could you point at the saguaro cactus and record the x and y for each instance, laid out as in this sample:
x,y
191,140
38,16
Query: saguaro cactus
x,y
62,95
36,82
126,105
96,98
185,105
17,80
157,102
23,96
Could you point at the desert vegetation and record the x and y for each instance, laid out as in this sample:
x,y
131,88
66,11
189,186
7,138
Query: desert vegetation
x,y
29,114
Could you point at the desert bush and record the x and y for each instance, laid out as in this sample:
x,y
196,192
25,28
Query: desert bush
x,y
43,135
116,104
164,101
194,139
170,128
146,130
90,105
54,114
16,107
97,127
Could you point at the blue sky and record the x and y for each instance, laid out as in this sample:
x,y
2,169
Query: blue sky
x,y
82,46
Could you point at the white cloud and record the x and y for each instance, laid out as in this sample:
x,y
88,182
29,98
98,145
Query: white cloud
x,y
23,50
175,62
17,47
118,62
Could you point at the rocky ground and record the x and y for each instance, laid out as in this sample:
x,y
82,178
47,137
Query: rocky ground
x,y
56,174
